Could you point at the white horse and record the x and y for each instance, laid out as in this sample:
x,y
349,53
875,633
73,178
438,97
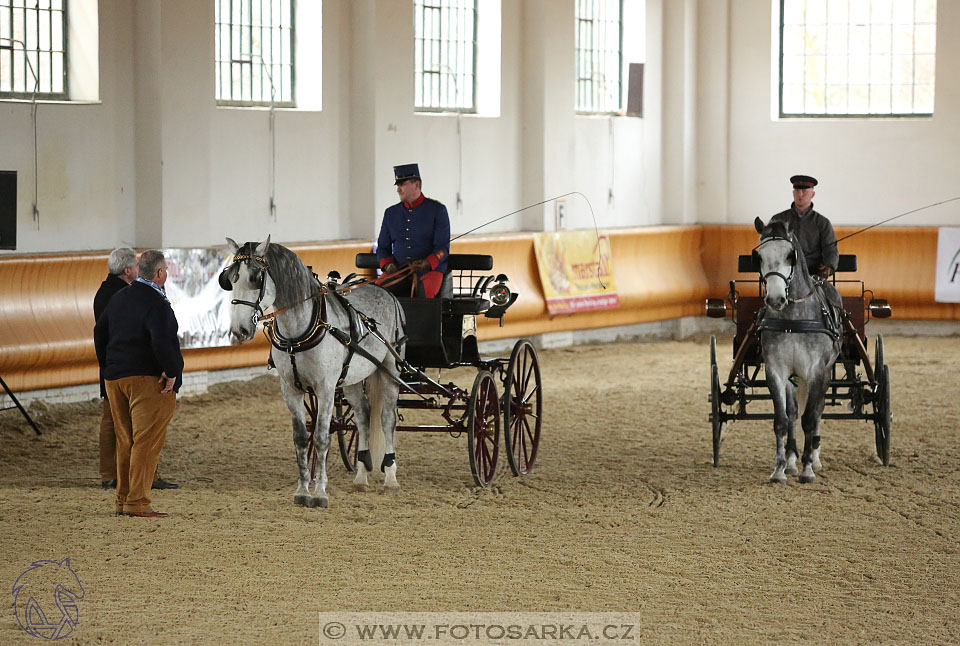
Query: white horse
x,y
321,340
800,341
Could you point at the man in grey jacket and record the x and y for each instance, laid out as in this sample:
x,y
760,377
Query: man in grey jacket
x,y
813,230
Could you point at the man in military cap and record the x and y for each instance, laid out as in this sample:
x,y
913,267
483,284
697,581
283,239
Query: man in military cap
x,y
415,233
813,230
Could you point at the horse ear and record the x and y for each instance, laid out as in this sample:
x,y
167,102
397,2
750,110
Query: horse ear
x,y
233,245
262,247
758,225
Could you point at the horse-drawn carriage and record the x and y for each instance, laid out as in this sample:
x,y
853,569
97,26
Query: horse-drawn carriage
x,y
850,394
347,349
442,334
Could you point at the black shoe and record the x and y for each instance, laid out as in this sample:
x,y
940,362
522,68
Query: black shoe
x,y
160,483
108,484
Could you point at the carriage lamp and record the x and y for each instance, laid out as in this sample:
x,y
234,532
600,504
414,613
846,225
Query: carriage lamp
x,y
716,308
500,293
880,308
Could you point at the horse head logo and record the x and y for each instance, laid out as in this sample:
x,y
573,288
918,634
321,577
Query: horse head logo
x,y
38,614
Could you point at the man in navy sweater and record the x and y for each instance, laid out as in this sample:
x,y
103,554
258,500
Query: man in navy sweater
x,y
415,232
139,353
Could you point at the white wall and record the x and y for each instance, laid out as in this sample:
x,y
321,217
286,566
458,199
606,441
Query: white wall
x,y
155,162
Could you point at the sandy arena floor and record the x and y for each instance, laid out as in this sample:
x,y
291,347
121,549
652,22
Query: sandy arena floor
x,y
624,513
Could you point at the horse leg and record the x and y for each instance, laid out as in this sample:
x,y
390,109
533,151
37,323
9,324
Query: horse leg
x,y
321,438
812,413
387,391
301,441
361,414
791,448
781,423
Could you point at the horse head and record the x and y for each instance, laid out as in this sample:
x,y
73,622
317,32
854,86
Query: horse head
x,y
781,262
248,277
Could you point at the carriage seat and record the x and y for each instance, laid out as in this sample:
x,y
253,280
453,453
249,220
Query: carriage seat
x,y
751,264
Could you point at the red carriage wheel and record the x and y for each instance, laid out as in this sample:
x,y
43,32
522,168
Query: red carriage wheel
x,y
522,407
483,429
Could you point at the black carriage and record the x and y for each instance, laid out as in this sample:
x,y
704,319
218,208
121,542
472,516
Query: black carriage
x,y
852,394
442,334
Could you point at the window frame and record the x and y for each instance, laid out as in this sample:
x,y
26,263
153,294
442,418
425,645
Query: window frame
x,y
826,114
421,40
8,44
264,66
578,80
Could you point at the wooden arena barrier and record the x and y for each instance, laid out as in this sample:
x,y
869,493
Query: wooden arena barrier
x,y
897,263
46,300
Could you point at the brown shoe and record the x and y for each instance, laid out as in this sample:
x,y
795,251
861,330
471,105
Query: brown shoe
x,y
149,513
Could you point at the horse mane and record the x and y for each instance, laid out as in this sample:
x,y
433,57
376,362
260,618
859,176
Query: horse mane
x,y
293,280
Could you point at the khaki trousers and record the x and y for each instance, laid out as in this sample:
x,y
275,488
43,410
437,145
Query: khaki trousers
x,y
108,445
140,416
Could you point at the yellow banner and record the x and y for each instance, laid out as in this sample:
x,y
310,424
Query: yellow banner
x,y
576,269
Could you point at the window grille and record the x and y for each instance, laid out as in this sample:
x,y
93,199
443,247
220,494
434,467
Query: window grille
x,y
445,55
254,45
599,55
857,58
33,49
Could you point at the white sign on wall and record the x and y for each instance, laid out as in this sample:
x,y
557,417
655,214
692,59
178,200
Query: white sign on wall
x,y
948,265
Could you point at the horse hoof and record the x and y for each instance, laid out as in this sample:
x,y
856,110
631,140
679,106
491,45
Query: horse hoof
x,y
317,501
392,489
791,471
359,488
778,479
301,499
807,478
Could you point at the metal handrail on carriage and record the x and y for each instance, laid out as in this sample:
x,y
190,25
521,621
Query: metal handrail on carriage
x,y
441,333
854,390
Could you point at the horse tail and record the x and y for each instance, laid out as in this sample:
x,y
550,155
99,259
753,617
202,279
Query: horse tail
x,y
375,397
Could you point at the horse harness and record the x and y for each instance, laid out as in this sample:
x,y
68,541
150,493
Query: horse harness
x,y
829,322
361,325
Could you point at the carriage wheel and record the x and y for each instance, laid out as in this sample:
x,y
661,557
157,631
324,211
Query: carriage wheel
x,y
878,357
483,429
347,438
884,416
713,350
522,407
715,411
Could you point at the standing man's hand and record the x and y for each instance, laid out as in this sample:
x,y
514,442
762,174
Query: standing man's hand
x,y
167,383
391,268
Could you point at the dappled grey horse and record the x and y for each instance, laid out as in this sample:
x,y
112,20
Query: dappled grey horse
x,y
320,340
800,341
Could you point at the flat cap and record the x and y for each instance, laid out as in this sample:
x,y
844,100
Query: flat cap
x,y
803,181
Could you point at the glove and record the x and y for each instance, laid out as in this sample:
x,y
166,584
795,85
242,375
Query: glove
x,y
420,266
391,268
825,272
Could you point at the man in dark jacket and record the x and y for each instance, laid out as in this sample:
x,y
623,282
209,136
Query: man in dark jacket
x,y
122,266
813,230
414,232
138,350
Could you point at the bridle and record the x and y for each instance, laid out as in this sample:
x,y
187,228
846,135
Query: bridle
x,y
258,263
786,279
